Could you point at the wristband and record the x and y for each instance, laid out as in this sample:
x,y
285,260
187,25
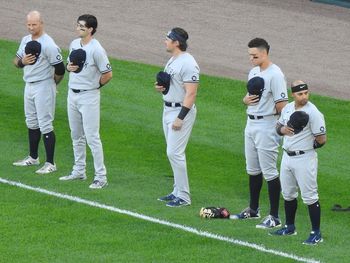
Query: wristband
x,y
183,112
279,132
317,144
20,63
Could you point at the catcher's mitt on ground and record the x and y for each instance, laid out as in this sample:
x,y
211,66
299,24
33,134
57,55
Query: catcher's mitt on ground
x,y
214,212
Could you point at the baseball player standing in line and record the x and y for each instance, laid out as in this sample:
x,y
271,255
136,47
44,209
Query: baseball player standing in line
x,y
179,112
299,161
41,72
261,139
84,101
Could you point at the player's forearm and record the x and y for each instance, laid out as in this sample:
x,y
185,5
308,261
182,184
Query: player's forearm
x,y
18,62
105,78
320,141
190,96
58,78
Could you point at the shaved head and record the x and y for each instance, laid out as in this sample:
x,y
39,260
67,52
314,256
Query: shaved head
x,y
35,24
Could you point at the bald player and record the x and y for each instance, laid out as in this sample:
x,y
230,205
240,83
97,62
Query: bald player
x,y
42,71
179,112
299,161
261,139
83,101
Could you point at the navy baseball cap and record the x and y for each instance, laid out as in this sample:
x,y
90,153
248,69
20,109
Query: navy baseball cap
x,y
33,48
255,86
298,121
78,58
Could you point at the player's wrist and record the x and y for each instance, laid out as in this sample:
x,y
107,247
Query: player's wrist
x,y
20,63
184,111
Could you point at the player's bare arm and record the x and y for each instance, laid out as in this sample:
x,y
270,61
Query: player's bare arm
x,y
284,130
280,105
71,67
158,88
59,72
105,78
190,97
320,140
250,99
26,60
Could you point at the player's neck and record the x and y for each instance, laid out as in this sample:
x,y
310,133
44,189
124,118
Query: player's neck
x,y
36,36
85,40
177,52
265,64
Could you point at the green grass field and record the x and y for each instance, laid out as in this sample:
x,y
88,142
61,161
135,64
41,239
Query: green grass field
x,y
39,228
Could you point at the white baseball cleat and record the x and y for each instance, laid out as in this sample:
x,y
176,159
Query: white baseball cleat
x,y
47,168
98,184
73,177
28,161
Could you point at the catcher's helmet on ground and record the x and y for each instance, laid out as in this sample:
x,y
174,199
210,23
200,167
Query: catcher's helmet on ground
x,y
33,48
78,57
298,121
255,86
163,79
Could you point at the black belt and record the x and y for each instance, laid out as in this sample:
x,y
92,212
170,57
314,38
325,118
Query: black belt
x,y
172,104
294,153
253,117
78,90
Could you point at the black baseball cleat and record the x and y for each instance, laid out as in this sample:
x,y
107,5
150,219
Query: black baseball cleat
x,y
247,213
167,198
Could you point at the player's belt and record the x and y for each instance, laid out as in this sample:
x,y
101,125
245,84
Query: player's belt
x,y
78,90
172,104
253,117
294,153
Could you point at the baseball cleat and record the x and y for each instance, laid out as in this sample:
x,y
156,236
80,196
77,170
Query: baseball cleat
x,y
284,231
28,161
96,184
72,177
47,168
314,238
167,198
269,222
247,213
177,202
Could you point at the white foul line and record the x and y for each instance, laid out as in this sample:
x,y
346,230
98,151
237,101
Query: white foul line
x,y
160,221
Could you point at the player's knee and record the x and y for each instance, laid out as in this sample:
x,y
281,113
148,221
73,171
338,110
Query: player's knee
x,y
309,200
174,155
289,195
32,124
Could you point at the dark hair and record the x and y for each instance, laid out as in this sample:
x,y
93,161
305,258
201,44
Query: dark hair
x,y
183,34
259,43
90,21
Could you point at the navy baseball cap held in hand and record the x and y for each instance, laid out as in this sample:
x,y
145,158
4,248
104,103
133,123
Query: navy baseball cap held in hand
x,y
78,57
163,79
298,121
255,86
33,48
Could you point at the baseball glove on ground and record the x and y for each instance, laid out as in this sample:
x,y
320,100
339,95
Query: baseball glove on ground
x,y
214,212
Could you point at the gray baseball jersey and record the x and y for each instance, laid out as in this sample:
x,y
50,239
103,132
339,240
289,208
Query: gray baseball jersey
x,y
261,139
40,89
50,56
275,90
300,171
84,108
183,69
95,65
